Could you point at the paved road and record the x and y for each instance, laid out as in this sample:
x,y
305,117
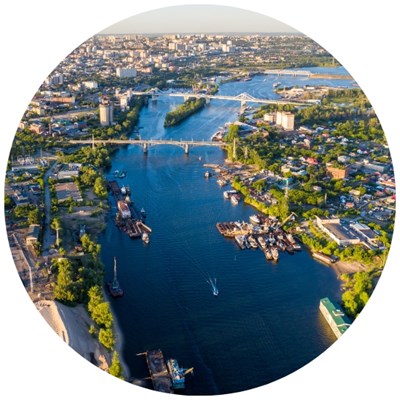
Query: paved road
x,y
48,237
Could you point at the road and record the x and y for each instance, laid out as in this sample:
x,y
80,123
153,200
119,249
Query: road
x,y
48,237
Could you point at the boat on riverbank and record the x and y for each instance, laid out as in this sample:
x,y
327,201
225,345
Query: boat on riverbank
x,y
323,257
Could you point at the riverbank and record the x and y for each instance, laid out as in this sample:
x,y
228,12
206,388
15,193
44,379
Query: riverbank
x,y
72,325
340,266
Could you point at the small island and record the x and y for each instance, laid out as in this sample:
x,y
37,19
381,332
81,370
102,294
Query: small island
x,y
183,111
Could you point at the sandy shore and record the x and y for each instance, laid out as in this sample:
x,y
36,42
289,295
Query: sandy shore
x,y
347,267
72,325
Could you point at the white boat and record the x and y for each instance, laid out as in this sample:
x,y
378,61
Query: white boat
x,y
253,242
213,283
254,219
275,253
123,190
145,237
262,242
222,182
207,174
240,241
229,193
235,199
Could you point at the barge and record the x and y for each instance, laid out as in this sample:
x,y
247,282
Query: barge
x,y
335,316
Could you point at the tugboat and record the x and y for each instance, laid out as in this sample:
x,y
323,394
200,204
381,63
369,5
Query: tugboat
x,y
114,287
177,374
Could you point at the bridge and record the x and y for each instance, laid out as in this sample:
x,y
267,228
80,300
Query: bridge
x,y
290,72
185,144
242,97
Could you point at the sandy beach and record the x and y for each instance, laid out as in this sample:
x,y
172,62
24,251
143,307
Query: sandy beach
x,y
72,325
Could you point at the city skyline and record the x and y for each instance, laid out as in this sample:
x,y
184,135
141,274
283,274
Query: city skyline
x,y
198,19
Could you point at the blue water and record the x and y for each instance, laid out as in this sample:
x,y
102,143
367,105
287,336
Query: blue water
x,y
265,323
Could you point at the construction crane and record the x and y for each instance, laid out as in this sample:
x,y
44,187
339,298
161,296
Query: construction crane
x,y
291,217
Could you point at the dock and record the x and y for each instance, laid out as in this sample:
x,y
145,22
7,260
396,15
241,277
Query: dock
x,y
128,218
159,373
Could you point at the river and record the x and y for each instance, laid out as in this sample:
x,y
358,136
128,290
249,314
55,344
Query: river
x,y
265,323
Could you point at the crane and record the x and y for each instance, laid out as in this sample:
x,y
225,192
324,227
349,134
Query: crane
x,y
291,217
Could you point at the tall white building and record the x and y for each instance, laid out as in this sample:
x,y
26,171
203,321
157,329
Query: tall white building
x,y
285,120
126,72
106,113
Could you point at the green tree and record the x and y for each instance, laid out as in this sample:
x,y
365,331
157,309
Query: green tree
x,y
101,314
65,290
56,225
107,338
116,367
95,297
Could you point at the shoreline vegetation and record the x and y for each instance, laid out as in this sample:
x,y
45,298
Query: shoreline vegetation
x,y
183,111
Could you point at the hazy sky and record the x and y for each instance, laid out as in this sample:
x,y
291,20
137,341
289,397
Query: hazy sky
x,y
198,19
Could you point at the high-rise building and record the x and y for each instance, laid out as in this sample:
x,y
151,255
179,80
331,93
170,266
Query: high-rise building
x,y
285,120
126,72
106,112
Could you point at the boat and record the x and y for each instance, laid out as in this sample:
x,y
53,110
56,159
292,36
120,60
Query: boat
x,y
275,253
145,237
261,242
222,182
275,85
177,374
213,283
240,241
253,242
254,219
207,174
296,246
123,190
235,199
128,200
121,174
322,257
268,254
143,212
229,193
113,286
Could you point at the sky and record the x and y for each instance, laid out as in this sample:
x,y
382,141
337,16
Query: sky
x,y
198,19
